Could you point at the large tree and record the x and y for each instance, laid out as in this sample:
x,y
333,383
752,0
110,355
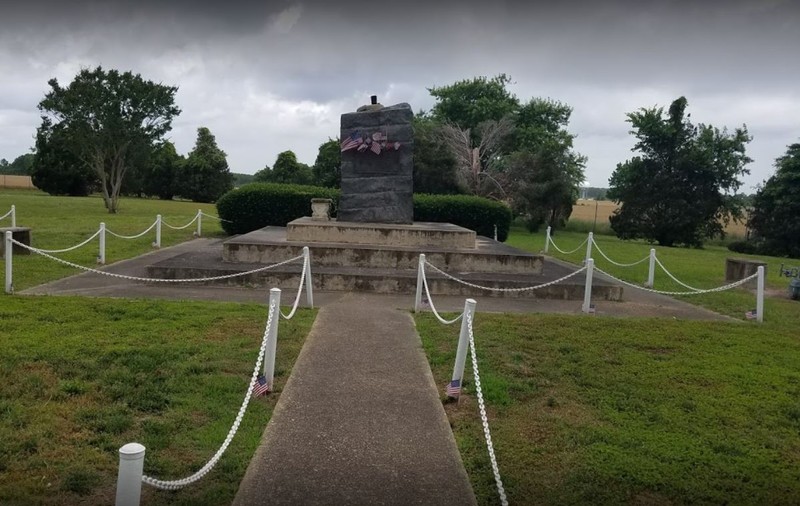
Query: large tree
x,y
286,170
680,190
21,165
56,168
327,168
775,217
162,173
108,118
205,175
434,165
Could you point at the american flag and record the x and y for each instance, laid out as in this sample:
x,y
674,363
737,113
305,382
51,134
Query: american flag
x,y
376,147
260,387
751,315
454,389
351,142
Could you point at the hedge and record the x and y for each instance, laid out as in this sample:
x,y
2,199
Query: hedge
x,y
258,205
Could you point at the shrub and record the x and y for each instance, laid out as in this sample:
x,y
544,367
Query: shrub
x,y
746,247
475,213
258,205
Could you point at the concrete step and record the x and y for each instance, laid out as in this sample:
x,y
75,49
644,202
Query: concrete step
x,y
269,245
418,234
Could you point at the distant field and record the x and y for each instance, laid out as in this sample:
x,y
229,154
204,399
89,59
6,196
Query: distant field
x,y
585,210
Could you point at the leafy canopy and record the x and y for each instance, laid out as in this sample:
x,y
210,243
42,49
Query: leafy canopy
x,y
205,174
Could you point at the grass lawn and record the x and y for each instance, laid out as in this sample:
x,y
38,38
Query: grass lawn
x,y
81,377
591,410
62,222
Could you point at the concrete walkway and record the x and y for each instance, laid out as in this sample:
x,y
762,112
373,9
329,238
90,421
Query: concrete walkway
x,y
360,420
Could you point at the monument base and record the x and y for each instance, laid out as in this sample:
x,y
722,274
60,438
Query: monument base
x,y
418,234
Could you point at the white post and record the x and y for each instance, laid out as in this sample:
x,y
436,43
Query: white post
x,y
129,478
547,240
495,232
420,274
651,274
760,295
158,231
457,379
199,222
9,252
587,291
101,258
272,339
13,215
309,282
589,246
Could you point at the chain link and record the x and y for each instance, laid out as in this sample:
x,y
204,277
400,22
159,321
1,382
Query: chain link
x,y
5,215
133,236
430,301
484,418
84,243
181,227
699,292
536,287
154,280
178,484
597,247
215,217
568,252
299,290
676,279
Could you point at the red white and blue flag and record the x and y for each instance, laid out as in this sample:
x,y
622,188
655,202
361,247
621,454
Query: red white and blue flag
x,y
751,315
260,386
454,389
351,142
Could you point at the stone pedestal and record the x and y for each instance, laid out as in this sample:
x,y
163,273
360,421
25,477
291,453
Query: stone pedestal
x,y
740,268
377,166
20,234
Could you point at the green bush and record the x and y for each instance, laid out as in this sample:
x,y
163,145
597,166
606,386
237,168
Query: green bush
x,y
258,205
475,213
746,247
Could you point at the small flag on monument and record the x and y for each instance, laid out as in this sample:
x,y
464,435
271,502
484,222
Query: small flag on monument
x,y
260,387
351,142
454,389
751,315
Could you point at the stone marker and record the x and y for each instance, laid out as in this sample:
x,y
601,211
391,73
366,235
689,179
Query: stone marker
x,y
377,165
740,268
20,234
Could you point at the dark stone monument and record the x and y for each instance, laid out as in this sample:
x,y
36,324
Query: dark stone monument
x,y
377,165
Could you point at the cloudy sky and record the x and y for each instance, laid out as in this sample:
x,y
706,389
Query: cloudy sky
x,y
269,76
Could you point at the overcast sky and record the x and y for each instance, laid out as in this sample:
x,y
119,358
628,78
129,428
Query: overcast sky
x,y
269,76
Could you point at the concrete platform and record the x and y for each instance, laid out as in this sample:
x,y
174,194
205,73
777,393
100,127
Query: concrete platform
x,y
419,234
20,234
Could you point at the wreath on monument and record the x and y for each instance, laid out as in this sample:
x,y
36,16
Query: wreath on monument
x,y
376,143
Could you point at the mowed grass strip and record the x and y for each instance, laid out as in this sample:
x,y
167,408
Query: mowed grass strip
x,y
587,410
62,222
81,377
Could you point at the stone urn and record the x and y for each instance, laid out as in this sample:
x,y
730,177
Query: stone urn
x,y
321,209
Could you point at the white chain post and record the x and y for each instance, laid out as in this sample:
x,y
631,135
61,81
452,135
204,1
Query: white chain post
x,y
13,216
587,291
463,345
589,241
309,283
158,231
199,223
547,240
760,295
129,478
651,273
495,232
101,258
272,340
9,254
420,274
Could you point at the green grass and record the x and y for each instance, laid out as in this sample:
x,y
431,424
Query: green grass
x,y
62,222
82,377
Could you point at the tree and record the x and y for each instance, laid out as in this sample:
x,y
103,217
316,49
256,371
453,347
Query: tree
x,y
775,217
471,102
21,165
681,189
205,175
110,118
434,164
286,170
56,168
327,168
160,178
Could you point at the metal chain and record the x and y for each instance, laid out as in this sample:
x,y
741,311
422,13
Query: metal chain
x,y
597,247
484,419
155,280
215,217
712,290
182,227
430,301
299,291
133,236
674,278
568,252
536,287
84,243
178,484
5,215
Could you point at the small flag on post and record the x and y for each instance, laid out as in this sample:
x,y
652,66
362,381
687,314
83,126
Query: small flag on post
x,y
260,387
751,315
454,389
